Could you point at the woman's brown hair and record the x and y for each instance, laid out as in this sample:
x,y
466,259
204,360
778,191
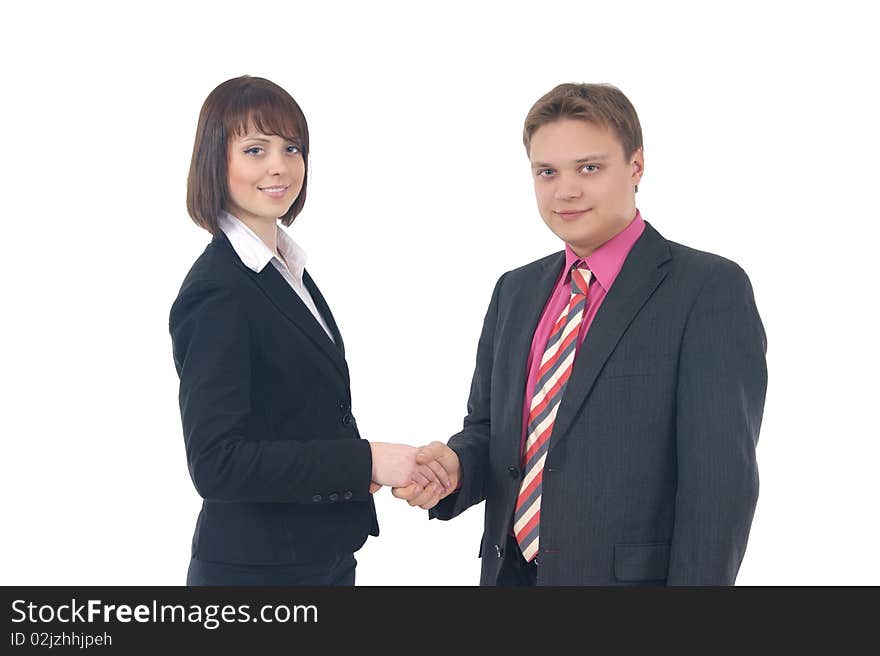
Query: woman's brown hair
x,y
228,111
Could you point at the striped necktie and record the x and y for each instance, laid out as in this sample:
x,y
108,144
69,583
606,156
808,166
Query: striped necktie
x,y
553,375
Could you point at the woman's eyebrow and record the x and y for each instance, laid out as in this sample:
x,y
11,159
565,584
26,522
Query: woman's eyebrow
x,y
265,139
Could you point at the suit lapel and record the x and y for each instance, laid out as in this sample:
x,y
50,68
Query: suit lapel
x,y
515,338
324,309
275,287
640,275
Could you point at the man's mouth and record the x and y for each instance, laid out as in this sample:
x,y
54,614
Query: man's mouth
x,y
568,215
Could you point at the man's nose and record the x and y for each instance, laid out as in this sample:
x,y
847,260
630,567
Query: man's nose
x,y
567,190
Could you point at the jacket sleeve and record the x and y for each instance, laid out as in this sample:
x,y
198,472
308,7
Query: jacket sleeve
x,y
213,354
471,444
722,382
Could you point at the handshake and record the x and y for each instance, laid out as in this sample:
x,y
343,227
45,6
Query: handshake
x,y
422,476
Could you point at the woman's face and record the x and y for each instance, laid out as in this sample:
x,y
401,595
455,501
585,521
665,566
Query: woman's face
x,y
265,175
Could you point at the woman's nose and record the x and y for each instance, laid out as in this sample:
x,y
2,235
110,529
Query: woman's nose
x,y
277,164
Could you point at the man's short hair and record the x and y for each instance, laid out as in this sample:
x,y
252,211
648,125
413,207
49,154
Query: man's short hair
x,y
601,104
227,112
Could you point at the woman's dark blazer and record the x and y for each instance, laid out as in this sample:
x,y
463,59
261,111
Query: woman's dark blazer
x,y
265,400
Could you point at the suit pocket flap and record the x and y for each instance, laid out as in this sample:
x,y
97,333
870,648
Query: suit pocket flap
x,y
641,562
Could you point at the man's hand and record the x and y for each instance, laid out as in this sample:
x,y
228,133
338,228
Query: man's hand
x,y
444,463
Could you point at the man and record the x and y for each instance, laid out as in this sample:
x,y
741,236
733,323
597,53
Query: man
x,y
619,385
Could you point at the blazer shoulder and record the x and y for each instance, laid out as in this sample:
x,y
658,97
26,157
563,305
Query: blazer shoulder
x,y
530,270
218,263
214,270
711,283
702,265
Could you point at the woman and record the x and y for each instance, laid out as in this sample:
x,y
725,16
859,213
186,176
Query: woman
x,y
272,444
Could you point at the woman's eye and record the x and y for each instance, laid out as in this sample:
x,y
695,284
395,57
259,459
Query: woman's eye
x,y
254,150
293,150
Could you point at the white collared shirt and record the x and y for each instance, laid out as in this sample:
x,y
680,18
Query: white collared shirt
x,y
255,255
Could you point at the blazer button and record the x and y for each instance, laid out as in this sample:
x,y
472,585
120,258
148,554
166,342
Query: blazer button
x,y
317,498
347,495
345,406
513,471
499,550
334,497
347,419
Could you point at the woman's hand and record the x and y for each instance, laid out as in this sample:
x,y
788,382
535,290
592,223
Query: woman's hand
x,y
395,465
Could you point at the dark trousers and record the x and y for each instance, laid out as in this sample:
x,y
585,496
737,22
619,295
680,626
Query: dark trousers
x,y
338,572
515,571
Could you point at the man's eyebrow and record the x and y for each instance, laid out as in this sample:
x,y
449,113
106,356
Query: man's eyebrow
x,y
580,160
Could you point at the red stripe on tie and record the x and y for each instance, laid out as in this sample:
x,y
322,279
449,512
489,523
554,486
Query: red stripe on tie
x,y
532,523
552,361
524,494
538,409
561,321
543,437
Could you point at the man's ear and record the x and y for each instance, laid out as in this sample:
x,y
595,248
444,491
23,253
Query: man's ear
x,y
637,163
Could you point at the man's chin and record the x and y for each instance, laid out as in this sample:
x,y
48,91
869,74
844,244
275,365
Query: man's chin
x,y
577,239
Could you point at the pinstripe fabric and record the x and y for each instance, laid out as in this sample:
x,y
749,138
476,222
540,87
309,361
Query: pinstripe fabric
x,y
556,366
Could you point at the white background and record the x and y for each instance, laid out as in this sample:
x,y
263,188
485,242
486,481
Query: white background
x,y
760,144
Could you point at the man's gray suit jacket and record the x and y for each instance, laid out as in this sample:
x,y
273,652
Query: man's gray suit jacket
x,y
650,477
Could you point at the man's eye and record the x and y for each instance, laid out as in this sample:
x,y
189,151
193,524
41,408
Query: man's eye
x,y
545,173
589,168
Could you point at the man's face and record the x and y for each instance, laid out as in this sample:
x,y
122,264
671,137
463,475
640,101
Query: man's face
x,y
584,185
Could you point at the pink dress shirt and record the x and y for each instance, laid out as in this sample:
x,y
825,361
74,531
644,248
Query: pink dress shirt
x,y
605,263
